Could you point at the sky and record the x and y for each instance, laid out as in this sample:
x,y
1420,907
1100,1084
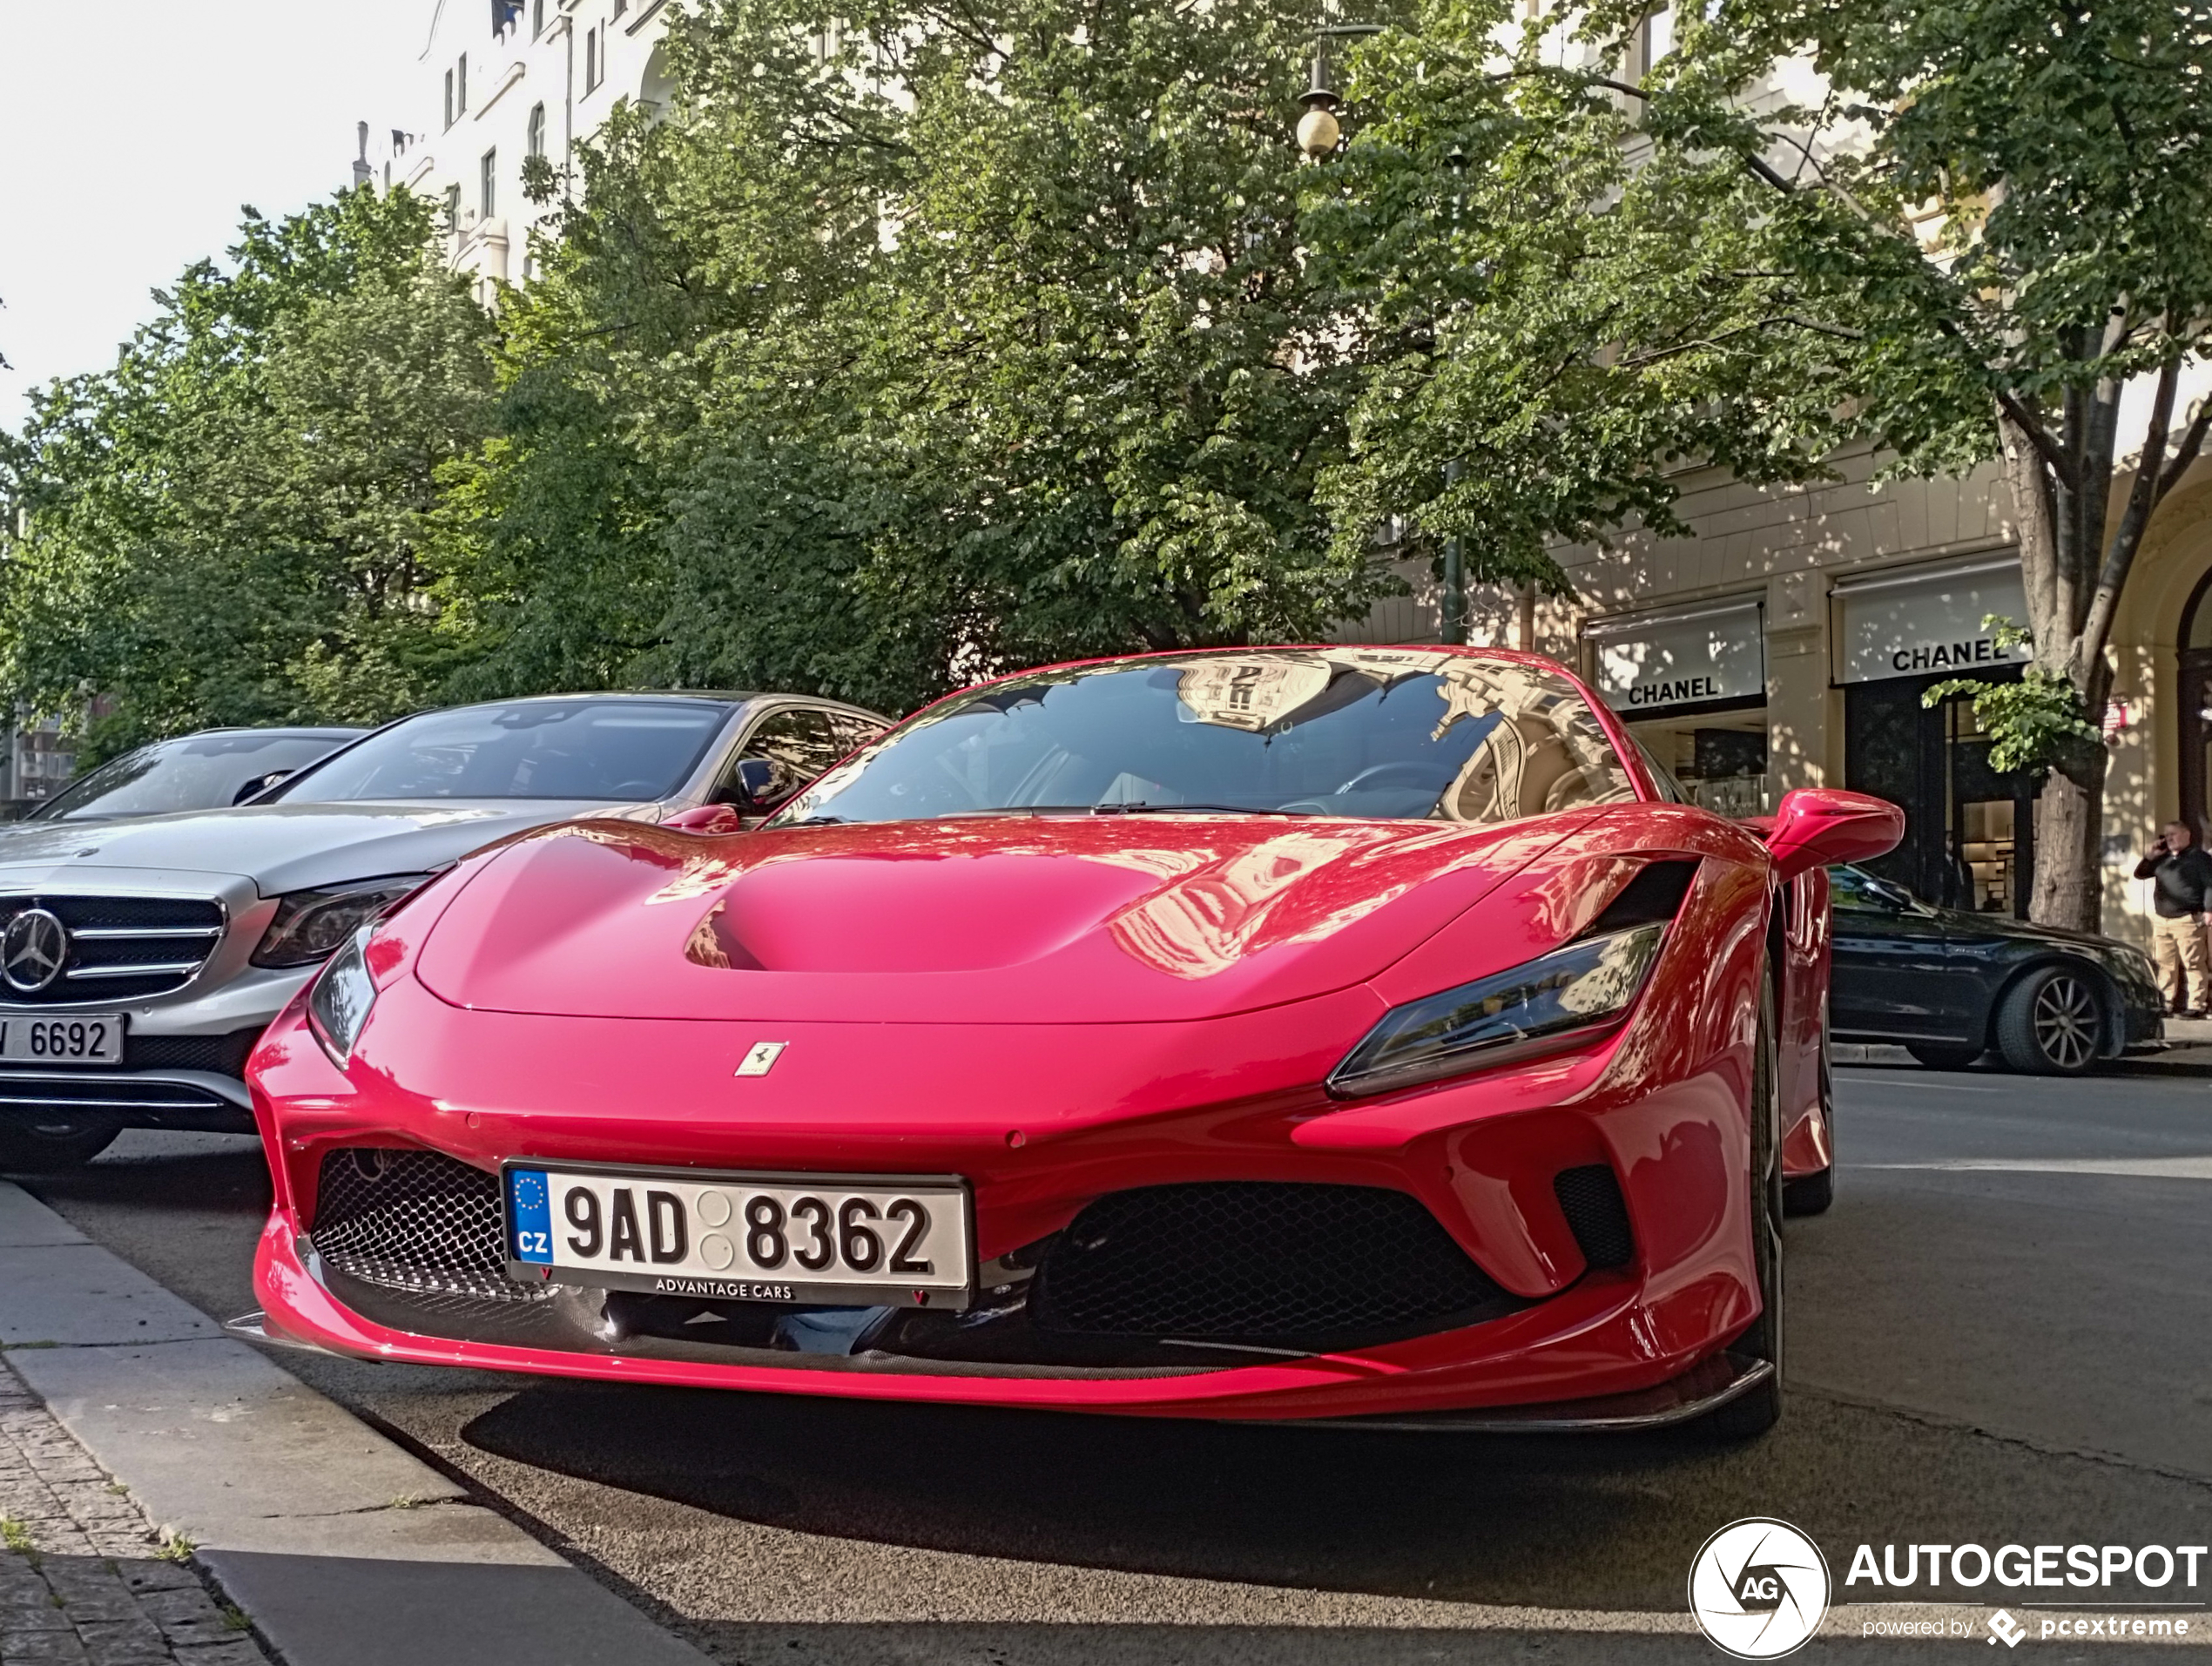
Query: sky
x,y
131,132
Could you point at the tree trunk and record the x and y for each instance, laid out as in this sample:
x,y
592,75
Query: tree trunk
x,y
2068,889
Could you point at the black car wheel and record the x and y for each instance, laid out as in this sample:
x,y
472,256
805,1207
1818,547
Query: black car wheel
x,y
2052,1023
1760,1409
51,1145
1944,1055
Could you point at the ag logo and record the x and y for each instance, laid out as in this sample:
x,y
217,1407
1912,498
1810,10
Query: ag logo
x,y
1758,1589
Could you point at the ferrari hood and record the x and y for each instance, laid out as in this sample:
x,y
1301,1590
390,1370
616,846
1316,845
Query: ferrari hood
x,y
280,847
1010,920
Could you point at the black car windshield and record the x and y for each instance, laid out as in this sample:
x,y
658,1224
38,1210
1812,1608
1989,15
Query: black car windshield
x,y
618,750
1386,732
198,772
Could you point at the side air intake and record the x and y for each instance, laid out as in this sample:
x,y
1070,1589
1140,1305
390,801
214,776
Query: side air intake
x,y
1596,1214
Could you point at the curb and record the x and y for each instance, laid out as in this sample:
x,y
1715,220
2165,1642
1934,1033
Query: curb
x,y
341,1547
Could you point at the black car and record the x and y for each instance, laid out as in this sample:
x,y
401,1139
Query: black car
x,y
208,770
1950,985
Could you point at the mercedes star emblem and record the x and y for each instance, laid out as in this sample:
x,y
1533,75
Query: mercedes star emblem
x,y
33,950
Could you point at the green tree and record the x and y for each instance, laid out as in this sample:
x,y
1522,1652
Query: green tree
x,y
230,524
2007,205
1555,316
920,341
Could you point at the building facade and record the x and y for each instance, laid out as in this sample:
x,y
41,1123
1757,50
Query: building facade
x,y
503,81
1788,642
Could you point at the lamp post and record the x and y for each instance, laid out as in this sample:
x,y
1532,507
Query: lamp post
x,y
1318,129
1455,574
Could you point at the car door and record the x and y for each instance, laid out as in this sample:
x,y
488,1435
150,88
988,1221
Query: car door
x,y
1891,974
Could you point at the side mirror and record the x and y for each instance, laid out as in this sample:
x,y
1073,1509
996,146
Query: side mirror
x,y
1819,825
260,783
756,779
705,819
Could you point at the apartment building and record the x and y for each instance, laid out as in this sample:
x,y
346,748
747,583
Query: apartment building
x,y
503,81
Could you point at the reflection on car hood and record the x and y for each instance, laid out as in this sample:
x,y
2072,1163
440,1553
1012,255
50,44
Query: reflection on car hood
x,y
280,847
1005,919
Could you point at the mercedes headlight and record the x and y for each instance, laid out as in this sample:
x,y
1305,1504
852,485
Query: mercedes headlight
x,y
1586,985
339,1002
310,924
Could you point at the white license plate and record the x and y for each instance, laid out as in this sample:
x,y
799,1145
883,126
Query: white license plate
x,y
866,1240
86,1038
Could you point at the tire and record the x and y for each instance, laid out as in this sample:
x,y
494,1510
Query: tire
x,y
1812,1194
1754,1412
2052,1023
1945,1055
52,1144
1809,1194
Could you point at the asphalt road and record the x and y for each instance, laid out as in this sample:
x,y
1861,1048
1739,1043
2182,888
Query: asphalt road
x,y
2002,1333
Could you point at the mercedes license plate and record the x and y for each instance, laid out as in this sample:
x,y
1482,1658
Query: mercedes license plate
x,y
865,1240
83,1038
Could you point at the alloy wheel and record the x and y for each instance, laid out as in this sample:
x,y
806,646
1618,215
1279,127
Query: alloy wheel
x,y
2066,1022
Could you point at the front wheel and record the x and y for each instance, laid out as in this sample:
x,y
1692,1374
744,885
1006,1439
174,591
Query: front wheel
x,y
2051,1022
1760,1409
52,1144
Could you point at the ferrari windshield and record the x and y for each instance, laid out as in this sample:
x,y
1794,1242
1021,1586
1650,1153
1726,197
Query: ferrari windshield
x,y
1381,732
623,749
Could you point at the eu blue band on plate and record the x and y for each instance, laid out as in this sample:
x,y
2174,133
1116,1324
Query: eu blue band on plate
x,y
530,1215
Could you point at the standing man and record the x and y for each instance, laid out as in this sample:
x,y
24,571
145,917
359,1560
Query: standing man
x,y
2181,874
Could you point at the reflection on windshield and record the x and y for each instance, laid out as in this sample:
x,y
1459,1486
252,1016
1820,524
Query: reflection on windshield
x,y
1391,733
615,749
199,773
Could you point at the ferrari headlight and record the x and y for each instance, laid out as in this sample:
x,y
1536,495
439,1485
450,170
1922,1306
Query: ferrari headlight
x,y
1584,986
338,1005
310,924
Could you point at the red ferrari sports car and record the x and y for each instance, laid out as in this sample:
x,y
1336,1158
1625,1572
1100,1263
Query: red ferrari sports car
x,y
1359,1034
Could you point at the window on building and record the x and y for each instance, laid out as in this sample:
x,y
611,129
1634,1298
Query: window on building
x,y
535,134
591,65
505,16
461,87
449,111
452,211
537,18
488,185
620,7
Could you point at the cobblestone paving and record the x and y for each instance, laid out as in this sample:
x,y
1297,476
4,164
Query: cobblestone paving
x,y
83,1578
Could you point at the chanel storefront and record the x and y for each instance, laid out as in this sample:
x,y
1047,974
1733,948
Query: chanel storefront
x,y
1692,683
1896,633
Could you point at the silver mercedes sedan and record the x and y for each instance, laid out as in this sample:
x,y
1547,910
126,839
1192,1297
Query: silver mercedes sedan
x,y
140,959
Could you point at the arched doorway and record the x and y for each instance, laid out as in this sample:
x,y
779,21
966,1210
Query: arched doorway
x,y
2194,701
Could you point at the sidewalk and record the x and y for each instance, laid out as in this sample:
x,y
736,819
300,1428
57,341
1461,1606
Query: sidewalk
x,y
82,1577
338,1548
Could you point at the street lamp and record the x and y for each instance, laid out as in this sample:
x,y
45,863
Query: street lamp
x,y
1318,129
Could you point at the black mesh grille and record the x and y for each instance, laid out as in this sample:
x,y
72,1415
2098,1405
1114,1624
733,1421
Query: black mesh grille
x,y
413,1220
1596,1214
1306,1266
225,1054
111,938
